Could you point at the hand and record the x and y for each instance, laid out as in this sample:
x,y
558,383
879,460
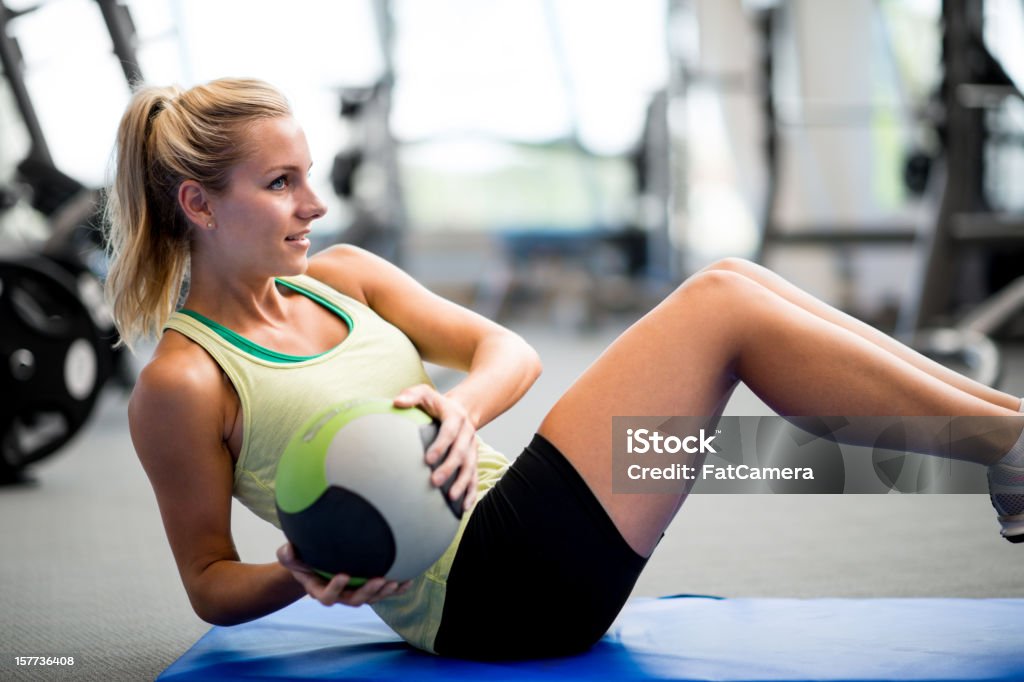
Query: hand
x,y
457,436
335,591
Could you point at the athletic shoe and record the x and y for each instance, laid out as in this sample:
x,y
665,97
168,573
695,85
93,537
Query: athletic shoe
x,y
1006,490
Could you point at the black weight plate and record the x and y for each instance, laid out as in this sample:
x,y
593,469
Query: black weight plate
x,y
50,361
113,358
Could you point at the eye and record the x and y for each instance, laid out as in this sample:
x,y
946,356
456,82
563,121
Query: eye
x,y
279,182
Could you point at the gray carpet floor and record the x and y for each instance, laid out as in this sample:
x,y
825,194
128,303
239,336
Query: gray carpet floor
x,y
85,570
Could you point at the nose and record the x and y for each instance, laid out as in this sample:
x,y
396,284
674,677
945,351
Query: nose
x,y
313,208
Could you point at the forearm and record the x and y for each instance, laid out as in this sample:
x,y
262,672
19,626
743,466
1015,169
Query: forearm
x,y
502,370
230,592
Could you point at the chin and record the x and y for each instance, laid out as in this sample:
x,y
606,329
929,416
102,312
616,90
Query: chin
x,y
293,268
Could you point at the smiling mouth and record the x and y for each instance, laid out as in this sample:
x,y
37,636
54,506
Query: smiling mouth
x,y
296,237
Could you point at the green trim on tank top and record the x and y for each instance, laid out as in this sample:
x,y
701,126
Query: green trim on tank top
x,y
262,352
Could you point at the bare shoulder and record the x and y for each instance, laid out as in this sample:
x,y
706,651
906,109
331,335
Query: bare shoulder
x,y
349,269
178,368
180,390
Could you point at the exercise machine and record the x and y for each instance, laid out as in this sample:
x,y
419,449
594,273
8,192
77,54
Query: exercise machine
x,y
58,342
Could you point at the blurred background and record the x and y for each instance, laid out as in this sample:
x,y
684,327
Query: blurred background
x,y
557,165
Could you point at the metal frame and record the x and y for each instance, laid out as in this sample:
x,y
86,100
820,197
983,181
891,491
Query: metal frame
x,y
14,65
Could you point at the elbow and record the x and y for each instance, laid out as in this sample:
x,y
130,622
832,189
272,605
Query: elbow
x,y
211,617
215,616
532,365
537,367
207,611
210,609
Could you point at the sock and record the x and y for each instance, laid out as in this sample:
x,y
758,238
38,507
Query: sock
x,y
1015,457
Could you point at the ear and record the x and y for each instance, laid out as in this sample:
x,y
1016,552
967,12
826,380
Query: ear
x,y
194,200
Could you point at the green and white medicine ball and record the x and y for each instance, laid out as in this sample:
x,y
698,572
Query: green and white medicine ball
x,y
354,494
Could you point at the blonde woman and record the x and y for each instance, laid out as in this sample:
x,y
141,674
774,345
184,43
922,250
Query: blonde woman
x,y
212,188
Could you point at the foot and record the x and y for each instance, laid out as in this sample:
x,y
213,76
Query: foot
x,y
1006,490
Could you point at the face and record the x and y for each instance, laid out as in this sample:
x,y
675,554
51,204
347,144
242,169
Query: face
x,y
263,217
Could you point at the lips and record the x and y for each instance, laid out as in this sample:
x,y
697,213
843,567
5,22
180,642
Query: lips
x,y
298,236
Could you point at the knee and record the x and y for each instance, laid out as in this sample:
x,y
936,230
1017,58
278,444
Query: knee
x,y
718,308
721,287
740,266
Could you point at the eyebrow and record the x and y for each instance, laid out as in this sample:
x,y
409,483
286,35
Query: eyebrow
x,y
288,167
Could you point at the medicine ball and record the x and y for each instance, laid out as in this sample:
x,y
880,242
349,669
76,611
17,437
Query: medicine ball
x,y
354,494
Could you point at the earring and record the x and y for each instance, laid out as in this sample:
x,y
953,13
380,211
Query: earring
x,y
209,223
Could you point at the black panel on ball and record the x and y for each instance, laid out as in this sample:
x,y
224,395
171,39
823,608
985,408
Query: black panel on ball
x,y
341,533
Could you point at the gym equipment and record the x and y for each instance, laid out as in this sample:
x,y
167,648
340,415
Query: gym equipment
x,y
951,174
354,494
821,115
58,344
53,361
966,224
378,219
692,638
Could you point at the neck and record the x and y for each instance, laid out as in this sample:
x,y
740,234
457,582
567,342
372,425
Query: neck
x,y
236,300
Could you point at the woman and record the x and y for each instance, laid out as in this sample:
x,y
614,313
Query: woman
x,y
212,183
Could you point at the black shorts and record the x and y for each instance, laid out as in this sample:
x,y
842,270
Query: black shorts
x,y
541,569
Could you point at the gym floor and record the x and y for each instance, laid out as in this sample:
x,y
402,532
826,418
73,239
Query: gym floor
x,y
86,571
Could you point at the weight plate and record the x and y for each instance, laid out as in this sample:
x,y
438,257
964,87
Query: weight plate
x,y
23,364
52,361
80,369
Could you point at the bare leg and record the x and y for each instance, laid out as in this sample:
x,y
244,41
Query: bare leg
x,y
797,296
685,356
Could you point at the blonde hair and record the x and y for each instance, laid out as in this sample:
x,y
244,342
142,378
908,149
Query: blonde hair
x,y
166,136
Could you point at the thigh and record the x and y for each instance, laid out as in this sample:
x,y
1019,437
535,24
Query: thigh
x,y
676,360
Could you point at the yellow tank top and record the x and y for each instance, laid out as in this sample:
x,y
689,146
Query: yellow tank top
x,y
375,360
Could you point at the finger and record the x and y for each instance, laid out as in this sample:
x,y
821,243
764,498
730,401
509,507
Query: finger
x,y
464,445
311,583
332,592
404,587
314,587
285,554
414,395
442,444
461,454
471,497
462,483
289,559
383,593
361,594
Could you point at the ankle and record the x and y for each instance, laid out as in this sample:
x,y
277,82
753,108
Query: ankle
x,y
1015,457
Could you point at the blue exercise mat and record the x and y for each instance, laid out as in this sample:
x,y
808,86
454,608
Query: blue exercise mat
x,y
691,638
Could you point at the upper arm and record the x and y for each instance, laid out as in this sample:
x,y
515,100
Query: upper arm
x,y
176,418
444,332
